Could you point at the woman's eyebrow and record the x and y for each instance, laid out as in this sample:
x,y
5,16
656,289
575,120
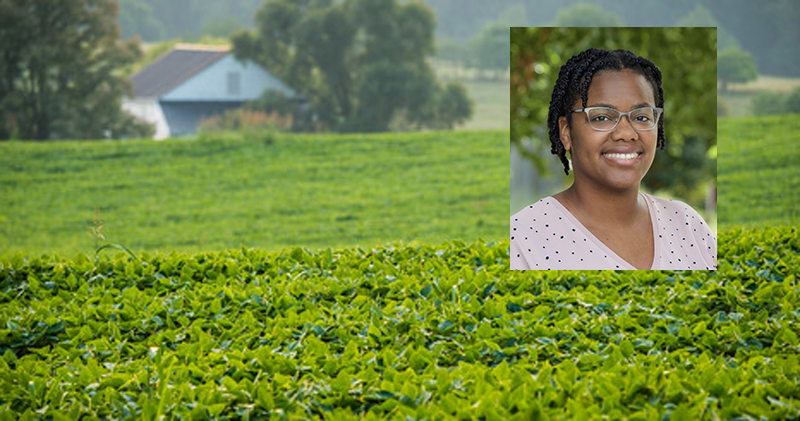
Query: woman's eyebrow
x,y
603,104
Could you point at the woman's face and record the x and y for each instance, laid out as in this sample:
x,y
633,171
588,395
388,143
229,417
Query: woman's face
x,y
596,154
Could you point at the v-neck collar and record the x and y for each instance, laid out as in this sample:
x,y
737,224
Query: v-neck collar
x,y
602,246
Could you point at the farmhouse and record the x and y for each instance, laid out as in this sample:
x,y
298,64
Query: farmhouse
x,y
192,82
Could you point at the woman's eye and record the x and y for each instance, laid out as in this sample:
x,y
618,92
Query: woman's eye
x,y
601,118
643,118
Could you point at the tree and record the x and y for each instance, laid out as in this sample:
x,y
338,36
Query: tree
x,y
359,63
583,14
735,65
701,17
455,107
136,19
490,48
58,73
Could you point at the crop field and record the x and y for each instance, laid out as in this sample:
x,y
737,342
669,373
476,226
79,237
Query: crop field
x,y
367,277
429,332
758,174
211,194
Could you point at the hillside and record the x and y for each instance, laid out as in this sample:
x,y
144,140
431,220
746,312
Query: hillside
x,y
758,174
313,191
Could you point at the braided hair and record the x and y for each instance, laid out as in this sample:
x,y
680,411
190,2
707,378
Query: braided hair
x,y
576,76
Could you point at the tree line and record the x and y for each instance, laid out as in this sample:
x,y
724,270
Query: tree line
x,y
767,29
359,64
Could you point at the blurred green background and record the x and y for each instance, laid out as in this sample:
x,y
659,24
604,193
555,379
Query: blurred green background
x,y
685,170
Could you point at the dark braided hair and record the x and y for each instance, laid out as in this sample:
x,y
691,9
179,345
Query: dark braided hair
x,y
576,76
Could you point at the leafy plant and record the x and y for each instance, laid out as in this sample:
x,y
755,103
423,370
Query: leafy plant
x,y
433,331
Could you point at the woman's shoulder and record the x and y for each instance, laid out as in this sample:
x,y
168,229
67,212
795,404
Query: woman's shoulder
x,y
539,208
672,209
682,232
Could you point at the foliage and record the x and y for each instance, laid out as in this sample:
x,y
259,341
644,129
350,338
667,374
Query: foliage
x,y
247,120
767,28
793,101
702,17
359,63
765,103
453,50
758,173
276,102
737,66
255,189
490,48
537,55
455,107
151,53
186,19
58,75
428,332
136,18
583,14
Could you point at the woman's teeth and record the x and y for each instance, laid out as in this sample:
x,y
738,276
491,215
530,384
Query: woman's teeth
x,y
621,155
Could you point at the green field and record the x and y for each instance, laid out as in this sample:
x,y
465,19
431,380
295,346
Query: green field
x,y
322,191
758,175
432,332
246,296
311,190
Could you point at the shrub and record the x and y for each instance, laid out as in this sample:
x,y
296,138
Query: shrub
x,y
793,101
435,331
244,119
769,103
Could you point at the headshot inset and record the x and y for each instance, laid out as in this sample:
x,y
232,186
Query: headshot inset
x,y
606,125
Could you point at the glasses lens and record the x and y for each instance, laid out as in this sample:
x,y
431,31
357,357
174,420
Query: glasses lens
x,y
603,118
644,118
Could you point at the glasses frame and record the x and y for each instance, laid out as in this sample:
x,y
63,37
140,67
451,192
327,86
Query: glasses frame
x,y
621,114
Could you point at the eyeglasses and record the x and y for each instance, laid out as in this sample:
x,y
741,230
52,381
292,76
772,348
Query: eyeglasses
x,y
606,119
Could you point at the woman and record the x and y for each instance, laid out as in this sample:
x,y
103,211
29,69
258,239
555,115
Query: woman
x,y
607,111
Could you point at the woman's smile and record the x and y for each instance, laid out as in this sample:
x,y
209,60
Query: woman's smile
x,y
625,156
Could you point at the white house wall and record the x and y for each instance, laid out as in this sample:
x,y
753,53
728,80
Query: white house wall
x,y
211,83
148,109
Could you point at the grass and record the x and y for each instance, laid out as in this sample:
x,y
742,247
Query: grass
x,y
491,100
758,177
313,191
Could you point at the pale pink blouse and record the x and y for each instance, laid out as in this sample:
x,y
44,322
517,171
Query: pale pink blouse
x,y
546,236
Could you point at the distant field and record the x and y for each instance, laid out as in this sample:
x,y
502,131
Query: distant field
x,y
489,91
311,191
491,102
758,176
740,104
739,97
767,83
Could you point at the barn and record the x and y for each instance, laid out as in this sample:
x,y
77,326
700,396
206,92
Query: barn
x,y
192,82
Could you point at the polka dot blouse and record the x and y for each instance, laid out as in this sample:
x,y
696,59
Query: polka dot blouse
x,y
546,236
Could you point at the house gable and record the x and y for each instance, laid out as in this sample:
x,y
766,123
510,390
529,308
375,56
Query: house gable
x,y
174,68
227,80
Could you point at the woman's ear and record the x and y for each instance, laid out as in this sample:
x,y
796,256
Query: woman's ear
x,y
563,133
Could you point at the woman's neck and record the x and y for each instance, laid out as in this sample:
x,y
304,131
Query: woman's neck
x,y
615,208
